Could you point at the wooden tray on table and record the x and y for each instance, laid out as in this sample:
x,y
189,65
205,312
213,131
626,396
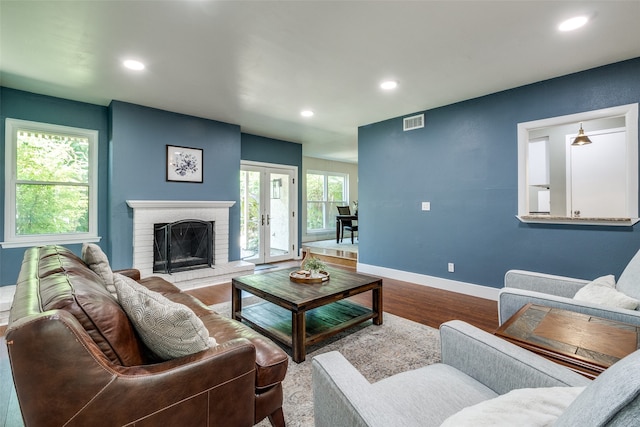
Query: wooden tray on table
x,y
304,276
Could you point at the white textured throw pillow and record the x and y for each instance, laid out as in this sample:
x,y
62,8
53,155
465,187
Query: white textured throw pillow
x,y
525,407
169,329
97,261
602,291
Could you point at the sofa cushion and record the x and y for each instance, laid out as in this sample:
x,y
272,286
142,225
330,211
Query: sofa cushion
x,y
629,280
169,329
66,283
53,259
613,398
602,291
428,395
526,406
97,260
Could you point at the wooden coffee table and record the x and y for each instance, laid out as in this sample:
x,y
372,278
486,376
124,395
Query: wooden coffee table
x,y
300,314
586,344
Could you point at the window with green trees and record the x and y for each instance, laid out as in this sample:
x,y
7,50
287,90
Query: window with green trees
x,y
325,191
51,193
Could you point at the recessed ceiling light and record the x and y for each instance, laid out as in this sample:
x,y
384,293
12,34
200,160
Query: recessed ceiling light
x,y
133,64
573,23
389,84
306,113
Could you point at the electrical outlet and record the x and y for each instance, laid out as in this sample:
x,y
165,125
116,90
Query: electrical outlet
x,y
426,206
451,267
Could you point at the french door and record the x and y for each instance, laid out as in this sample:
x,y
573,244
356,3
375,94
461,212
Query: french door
x,y
268,203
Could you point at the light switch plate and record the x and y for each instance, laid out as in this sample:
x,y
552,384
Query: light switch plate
x,y
426,206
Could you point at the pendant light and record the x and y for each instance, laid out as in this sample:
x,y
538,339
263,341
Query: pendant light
x,y
581,139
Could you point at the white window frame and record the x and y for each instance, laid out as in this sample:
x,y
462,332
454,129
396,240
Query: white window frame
x,y
11,240
326,215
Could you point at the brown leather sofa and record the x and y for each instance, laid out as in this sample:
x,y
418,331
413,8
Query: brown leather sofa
x,y
77,360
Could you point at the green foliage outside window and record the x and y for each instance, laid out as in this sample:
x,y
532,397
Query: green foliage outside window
x,y
335,185
52,186
315,197
324,193
250,212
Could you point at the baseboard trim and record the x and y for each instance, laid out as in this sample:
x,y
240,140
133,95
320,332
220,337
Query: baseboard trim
x,y
431,281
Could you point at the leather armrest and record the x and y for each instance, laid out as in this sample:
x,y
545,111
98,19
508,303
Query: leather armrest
x,y
226,371
132,273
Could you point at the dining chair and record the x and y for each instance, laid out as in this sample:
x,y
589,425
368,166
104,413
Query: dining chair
x,y
346,224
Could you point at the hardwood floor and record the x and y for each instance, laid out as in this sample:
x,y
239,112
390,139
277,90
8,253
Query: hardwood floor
x,y
419,303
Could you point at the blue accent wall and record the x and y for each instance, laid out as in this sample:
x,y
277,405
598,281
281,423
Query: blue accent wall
x,y
464,161
21,105
131,163
139,136
267,150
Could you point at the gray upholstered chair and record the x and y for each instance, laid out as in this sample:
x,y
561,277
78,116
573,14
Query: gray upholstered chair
x,y
480,376
522,287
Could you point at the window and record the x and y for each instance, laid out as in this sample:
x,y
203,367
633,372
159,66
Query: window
x,y
325,191
51,184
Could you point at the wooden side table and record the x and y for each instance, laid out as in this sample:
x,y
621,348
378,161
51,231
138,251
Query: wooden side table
x,y
586,344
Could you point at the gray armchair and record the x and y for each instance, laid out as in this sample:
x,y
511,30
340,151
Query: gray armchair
x,y
522,287
476,366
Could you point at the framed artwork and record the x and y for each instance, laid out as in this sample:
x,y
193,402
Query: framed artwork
x,y
184,164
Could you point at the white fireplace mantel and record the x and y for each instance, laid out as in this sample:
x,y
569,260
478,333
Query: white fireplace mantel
x,y
174,204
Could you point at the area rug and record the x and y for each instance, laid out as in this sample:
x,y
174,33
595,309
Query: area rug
x,y
378,352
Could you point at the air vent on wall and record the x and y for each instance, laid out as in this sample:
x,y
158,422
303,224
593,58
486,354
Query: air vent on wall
x,y
413,122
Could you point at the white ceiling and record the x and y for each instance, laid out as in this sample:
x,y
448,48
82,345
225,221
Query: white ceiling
x,y
259,63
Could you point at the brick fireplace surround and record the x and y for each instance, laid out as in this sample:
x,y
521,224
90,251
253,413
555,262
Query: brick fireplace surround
x,y
146,213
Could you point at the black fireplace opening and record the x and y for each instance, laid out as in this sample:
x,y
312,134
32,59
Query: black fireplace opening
x,y
182,245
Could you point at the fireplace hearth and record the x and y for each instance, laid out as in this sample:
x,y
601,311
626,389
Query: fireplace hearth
x,y
183,245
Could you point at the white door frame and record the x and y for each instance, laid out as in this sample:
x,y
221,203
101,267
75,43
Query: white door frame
x,y
293,204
